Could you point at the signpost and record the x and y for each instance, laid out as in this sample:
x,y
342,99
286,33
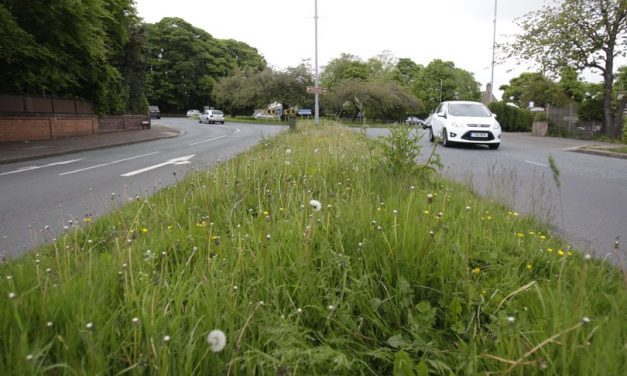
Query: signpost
x,y
316,90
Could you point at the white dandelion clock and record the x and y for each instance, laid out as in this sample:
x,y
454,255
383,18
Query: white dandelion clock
x,y
216,340
315,204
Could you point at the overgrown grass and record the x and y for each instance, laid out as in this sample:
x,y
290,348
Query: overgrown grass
x,y
396,273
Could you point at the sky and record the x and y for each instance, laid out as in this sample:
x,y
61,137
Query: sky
x,y
283,31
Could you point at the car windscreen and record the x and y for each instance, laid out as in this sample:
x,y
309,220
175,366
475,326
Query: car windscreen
x,y
468,109
218,113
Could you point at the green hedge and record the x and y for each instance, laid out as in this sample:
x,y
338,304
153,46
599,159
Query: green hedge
x,y
512,119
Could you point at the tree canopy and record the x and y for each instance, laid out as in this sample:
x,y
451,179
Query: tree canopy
x,y
578,33
185,63
72,48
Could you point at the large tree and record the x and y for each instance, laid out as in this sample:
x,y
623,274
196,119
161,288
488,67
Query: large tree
x,y
579,33
536,88
70,48
185,63
441,80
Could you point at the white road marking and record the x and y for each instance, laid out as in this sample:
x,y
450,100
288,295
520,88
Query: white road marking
x,y
30,168
174,161
107,164
209,140
537,164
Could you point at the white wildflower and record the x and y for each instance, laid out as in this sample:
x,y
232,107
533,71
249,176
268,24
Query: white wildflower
x,y
315,204
216,340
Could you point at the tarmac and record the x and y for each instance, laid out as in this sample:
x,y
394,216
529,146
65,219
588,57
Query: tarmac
x,y
28,150
11,152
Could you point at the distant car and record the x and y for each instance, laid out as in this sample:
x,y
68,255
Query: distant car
x,y
154,112
263,115
212,116
413,120
465,122
192,113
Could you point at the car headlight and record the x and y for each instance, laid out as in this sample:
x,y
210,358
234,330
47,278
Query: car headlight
x,y
496,126
456,124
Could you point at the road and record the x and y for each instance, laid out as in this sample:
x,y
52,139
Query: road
x,y
40,198
589,208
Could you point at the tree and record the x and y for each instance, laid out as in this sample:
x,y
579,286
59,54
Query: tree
x,y
344,68
441,81
578,33
533,87
68,48
248,89
405,72
185,63
380,100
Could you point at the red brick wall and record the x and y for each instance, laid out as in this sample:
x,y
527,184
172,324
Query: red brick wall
x,y
22,129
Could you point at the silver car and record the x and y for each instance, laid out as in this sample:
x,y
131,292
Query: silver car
x,y
211,117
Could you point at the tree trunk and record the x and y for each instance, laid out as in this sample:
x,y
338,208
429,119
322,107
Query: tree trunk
x,y
608,81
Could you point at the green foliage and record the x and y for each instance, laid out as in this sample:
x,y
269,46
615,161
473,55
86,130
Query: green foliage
x,y
377,266
576,33
533,87
625,130
512,119
71,48
379,100
185,63
441,80
248,89
591,106
400,151
347,67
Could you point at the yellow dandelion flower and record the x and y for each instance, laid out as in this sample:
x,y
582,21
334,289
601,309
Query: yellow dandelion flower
x,y
520,235
531,233
87,219
542,237
476,270
144,230
489,218
570,253
169,227
281,209
529,266
426,212
515,214
550,250
560,252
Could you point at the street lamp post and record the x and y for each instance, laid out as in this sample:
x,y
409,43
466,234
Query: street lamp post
x,y
493,52
317,82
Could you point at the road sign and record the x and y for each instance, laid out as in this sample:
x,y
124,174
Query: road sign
x,y
319,90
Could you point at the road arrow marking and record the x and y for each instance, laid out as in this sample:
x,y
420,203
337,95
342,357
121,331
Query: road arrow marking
x,y
173,161
30,168
107,164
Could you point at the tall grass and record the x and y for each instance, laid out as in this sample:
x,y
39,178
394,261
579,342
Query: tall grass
x,y
396,273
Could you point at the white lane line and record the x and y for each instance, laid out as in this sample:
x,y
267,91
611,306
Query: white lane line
x,y
173,161
209,140
30,168
537,164
107,164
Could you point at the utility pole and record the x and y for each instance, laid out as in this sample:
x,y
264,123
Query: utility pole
x,y
493,52
317,82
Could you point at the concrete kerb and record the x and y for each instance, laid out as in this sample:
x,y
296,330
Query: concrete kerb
x,y
603,153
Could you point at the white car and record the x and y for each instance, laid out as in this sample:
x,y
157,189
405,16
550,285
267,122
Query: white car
x,y
192,113
211,116
465,122
263,115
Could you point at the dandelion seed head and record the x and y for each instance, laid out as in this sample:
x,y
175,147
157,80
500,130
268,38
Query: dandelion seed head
x,y
29,357
135,320
166,338
587,256
216,340
511,319
299,310
89,326
331,307
49,324
315,204
585,320
12,295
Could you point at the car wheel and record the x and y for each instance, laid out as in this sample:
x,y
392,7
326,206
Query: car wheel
x,y
445,142
222,122
494,146
200,121
431,136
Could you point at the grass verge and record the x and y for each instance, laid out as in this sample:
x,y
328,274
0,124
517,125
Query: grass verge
x,y
382,273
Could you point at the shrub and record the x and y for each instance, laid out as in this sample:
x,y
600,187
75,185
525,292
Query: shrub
x,y
625,130
512,119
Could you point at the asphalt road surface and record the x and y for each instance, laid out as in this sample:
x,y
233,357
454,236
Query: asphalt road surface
x,y
589,208
41,197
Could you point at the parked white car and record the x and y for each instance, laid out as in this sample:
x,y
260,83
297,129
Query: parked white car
x,y
465,122
212,116
192,114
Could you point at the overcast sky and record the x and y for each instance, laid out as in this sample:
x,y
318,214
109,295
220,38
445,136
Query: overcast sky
x,y
422,30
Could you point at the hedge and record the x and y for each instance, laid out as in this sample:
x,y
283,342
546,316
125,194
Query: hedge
x,y
512,119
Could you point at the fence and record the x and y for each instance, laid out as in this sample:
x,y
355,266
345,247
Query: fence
x,y
15,104
567,122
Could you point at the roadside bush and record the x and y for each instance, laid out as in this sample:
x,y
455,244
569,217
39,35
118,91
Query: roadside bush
x,y
512,119
625,130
